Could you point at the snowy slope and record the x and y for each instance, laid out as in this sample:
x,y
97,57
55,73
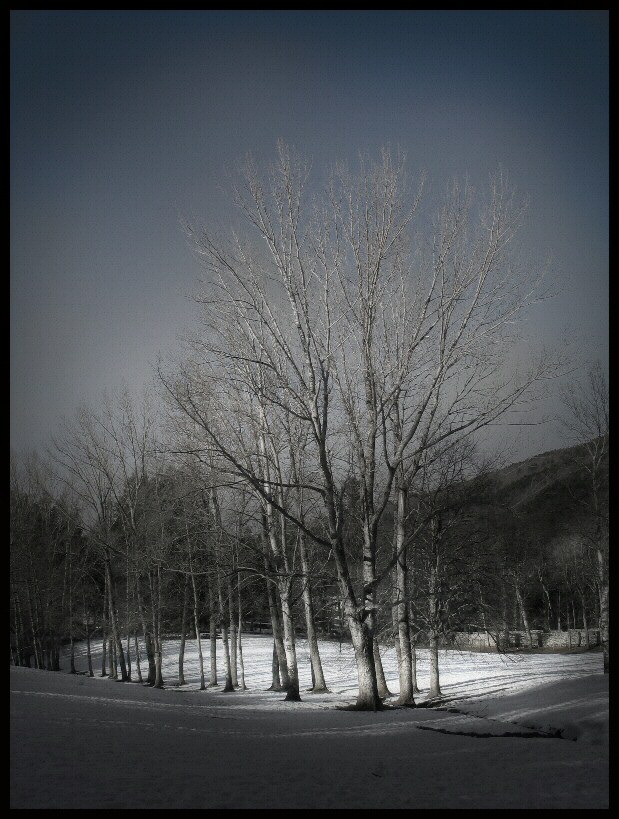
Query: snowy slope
x,y
495,743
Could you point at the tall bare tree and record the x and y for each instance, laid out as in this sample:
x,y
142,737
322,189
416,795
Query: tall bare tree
x,y
347,306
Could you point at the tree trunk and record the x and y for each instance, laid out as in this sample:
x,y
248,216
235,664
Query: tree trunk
x,y
416,689
49,651
87,629
548,605
292,692
222,611
155,604
281,683
368,698
240,638
232,632
56,654
585,623
25,654
148,643
113,620
505,638
21,631
284,583
573,614
18,653
318,679
36,645
523,613
181,651
71,638
128,616
361,635
212,606
394,622
137,657
42,631
111,650
103,656
369,606
433,621
196,623
405,659
284,586
435,687
276,684
224,636
381,682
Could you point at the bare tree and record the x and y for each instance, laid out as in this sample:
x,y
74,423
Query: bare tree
x,y
85,462
344,310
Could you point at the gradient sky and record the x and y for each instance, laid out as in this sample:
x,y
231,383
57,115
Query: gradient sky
x,y
121,121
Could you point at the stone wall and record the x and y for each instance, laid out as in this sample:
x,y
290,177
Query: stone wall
x,y
482,641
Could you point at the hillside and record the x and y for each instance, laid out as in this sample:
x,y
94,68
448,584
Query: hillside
x,y
549,490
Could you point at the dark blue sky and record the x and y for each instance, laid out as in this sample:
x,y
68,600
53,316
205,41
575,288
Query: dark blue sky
x,y
122,120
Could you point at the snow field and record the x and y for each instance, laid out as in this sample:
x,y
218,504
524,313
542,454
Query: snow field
x,y
464,675
503,737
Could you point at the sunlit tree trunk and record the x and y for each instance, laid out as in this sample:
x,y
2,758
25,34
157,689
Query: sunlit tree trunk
x,y
292,692
232,633
224,636
318,679
276,685
401,608
196,623
435,687
240,637
434,605
214,504
416,689
369,606
137,657
212,605
280,557
280,682
284,588
368,698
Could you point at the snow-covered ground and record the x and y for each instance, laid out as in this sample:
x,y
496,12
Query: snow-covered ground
x,y
523,731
